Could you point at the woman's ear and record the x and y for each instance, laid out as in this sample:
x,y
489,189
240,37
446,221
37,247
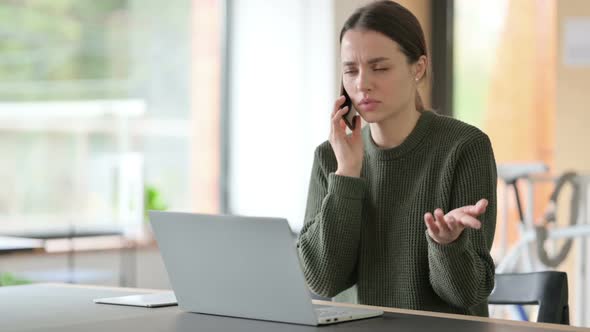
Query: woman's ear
x,y
420,68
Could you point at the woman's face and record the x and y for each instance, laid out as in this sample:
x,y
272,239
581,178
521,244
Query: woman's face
x,y
377,75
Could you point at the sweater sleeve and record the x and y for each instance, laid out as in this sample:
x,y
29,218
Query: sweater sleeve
x,y
329,240
462,272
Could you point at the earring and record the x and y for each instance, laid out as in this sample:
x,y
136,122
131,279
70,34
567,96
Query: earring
x,y
417,79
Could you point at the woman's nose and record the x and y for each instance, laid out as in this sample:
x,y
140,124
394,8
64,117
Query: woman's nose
x,y
363,82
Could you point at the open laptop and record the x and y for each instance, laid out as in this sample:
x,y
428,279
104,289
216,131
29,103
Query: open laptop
x,y
241,267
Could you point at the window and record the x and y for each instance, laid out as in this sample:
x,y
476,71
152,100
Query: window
x,y
283,76
77,68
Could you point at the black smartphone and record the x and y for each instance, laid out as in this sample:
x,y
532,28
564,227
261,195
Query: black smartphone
x,y
350,115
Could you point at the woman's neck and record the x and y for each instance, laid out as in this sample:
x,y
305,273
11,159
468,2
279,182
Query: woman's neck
x,y
392,131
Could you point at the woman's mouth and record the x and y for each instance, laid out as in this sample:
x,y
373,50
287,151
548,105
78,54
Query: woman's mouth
x,y
368,104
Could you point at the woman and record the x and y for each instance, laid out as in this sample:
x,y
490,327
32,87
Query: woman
x,y
400,213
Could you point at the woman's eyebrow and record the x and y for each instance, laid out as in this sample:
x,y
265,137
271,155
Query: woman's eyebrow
x,y
370,62
375,60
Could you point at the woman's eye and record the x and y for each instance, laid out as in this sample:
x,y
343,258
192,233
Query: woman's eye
x,y
350,71
381,69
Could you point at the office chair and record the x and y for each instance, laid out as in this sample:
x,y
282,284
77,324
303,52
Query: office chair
x,y
548,289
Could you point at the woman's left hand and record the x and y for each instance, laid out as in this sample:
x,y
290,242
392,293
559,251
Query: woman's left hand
x,y
446,228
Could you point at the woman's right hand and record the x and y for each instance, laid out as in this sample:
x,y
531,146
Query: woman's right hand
x,y
347,148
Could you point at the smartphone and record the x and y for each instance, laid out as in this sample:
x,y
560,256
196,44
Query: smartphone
x,y
350,115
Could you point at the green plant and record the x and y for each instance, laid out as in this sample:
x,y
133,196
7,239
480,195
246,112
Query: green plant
x,y
153,200
8,279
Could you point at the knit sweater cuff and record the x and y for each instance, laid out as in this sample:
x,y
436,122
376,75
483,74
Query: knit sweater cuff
x,y
346,186
452,249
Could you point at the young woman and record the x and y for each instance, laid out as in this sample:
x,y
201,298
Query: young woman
x,y
402,212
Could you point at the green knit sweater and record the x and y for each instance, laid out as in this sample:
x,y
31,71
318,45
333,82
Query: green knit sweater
x,y
364,239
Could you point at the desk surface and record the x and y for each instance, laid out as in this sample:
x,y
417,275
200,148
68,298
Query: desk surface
x,y
10,244
64,231
64,308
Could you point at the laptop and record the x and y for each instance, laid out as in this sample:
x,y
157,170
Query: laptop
x,y
237,266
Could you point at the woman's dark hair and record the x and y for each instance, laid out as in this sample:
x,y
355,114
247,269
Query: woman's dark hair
x,y
396,22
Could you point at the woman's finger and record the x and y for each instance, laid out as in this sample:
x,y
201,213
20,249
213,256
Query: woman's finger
x,y
478,209
440,221
481,206
429,221
469,221
337,122
339,114
467,209
342,125
450,223
337,104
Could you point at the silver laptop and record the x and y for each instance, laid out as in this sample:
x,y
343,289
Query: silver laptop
x,y
241,267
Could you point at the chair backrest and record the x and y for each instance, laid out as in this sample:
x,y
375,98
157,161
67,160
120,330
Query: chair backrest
x,y
548,289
